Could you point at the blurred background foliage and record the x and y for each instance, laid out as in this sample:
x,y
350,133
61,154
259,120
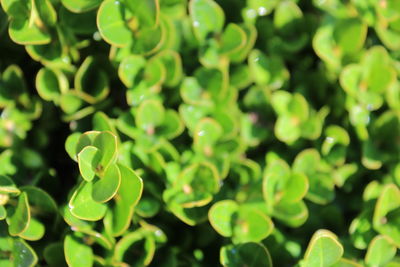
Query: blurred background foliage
x,y
199,133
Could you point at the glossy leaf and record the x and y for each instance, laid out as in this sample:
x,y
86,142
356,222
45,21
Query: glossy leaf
x,y
76,253
323,250
3,213
24,255
130,68
106,143
233,39
111,22
35,230
7,186
150,114
21,33
127,197
246,254
91,82
107,186
88,160
50,84
19,220
380,251
251,225
83,206
40,200
79,6
220,216
207,18
385,213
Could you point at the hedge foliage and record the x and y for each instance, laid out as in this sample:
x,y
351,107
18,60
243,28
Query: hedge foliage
x,y
200,133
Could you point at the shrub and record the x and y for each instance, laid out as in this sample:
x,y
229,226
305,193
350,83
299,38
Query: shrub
x,y
199,133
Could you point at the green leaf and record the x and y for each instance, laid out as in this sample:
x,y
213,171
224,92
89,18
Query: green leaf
x,y
86,139
101,122
45,13
292,214
80,6
247,254
21,32
346,263
71,145
214,83
324,47
380,251
207,18
106,143
334,135
13,85
287,129
267,70
73,221
371,156
173,66
79,23
128,195
35,230
385,218
3,213
20,218
298,107
83,206
350,79
88,160
220,216
296,188
240,77
191,115
51,83
286,16
321,184
262,7
388,35
146,245
150,115
129,71
91,82
54,254
112,18
148,40
77,253
274,181
24,255
40,200
154,73
7,186
251,225
148,207
195,186
107,186
172,125
146,11
131,186
350,35
193,93
251,36
233,39
206,136
377,58
321,189
70,102
323,250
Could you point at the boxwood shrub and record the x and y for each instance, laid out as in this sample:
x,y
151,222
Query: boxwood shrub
x,y
176,133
